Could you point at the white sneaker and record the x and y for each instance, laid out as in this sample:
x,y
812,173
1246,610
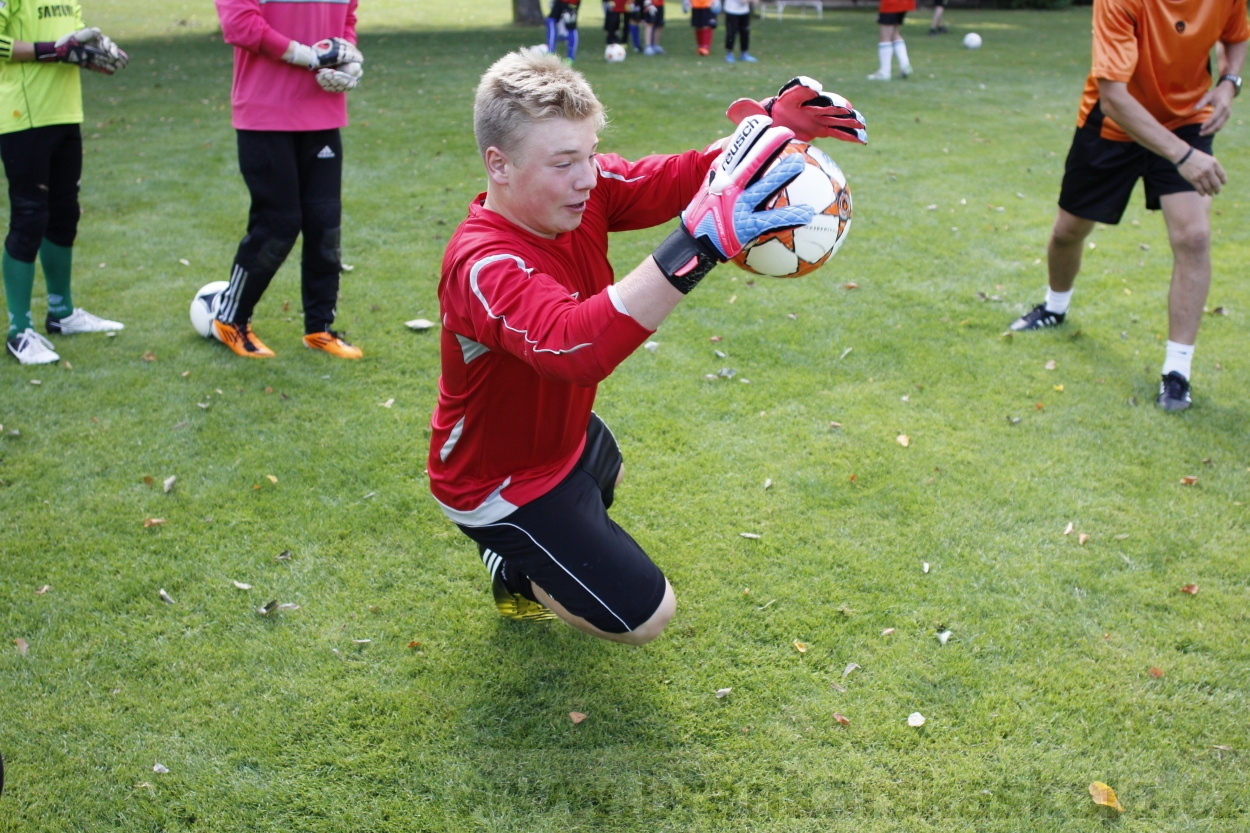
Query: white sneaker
x,y
81,321
32,348
879,76
904,71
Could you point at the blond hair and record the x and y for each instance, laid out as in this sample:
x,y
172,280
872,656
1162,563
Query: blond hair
x,y
526,87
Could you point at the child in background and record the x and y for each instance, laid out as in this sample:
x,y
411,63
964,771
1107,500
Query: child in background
x,y
703,20
738,23
563,15
890,16
653,20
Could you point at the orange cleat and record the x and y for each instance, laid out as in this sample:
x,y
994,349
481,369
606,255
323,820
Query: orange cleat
x,y
332,343
241,339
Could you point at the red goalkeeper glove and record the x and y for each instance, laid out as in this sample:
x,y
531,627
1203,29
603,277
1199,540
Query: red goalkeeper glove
x,y
725,214
803,106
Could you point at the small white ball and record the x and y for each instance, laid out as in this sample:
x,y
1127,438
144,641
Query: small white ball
x,y
354,69
972,41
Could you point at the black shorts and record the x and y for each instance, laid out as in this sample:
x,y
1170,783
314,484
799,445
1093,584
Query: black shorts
x,y
702,19
891,18
939,2
565,12
44,166
1099,175
654,16
565,543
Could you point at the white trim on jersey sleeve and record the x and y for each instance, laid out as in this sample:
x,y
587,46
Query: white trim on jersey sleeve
x,y
615,295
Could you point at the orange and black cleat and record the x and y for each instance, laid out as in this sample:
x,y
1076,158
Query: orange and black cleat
x,y
241,339
332,343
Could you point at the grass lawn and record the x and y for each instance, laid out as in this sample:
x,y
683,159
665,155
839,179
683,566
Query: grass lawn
x,y
395,699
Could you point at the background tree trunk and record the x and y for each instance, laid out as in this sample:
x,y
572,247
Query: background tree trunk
x,y
527,13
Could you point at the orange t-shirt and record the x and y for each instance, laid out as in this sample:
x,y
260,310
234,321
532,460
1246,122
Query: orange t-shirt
x,y
1162,50
700,4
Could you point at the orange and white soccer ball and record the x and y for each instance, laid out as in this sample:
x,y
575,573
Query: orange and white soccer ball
x,y
796,252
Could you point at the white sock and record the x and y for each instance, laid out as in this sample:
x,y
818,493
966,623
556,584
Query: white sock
x,y
885,51
1058,301
1180,357
900,49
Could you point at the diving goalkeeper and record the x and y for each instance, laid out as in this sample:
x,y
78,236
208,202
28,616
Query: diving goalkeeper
x,y
533,321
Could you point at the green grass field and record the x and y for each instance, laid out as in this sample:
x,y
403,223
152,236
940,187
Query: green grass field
x,y
394,699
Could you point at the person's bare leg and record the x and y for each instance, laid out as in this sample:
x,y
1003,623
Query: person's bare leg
x,y
640,635
1188,218
1063,252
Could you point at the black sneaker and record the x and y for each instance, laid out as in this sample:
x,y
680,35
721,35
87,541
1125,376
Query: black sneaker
x,y
1038,318
1173,393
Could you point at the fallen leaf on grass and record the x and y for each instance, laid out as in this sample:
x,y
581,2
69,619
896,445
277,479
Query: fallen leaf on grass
x,y
888,632
714,339
268,608
1191,589
149,356
915,720
1189,480
1058,388
903,440
651,346
240,585
285,555
768,482
835,425
851,285
1104,796
363,641
168,485
165,597
149,480
36,382
944,637
1157,673
44,589
754,536
576,717
419,324
723,692
1067,530
416,643
143,785
22,646
842,719
839,688
388,403
271,478
149,522
850,666
1051,365
801,647
1082,538
160,768
924,567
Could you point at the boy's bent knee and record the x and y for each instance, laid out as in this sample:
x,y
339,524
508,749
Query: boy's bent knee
x,y
652,628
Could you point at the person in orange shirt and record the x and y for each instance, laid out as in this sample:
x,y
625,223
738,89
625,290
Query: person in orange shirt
x,y
1150,112
703,18
890,14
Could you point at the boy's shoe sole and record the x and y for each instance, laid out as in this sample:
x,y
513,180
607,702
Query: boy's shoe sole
x,y
1173,393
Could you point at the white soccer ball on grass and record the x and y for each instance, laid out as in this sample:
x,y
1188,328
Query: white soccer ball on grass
x,y
972,41
614,53
204,307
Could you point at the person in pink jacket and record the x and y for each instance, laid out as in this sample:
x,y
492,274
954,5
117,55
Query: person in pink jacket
x,y
293,62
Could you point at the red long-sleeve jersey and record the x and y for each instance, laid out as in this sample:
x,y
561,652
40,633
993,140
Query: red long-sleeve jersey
x,y
530,327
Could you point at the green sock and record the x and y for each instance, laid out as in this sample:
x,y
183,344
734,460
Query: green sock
x,y
19,282
58,263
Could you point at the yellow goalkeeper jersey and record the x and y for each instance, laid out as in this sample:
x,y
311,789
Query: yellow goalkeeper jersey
x,y
34,94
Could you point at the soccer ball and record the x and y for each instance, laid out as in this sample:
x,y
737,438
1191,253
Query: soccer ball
x,y
972,41
795,252
614,53
204,307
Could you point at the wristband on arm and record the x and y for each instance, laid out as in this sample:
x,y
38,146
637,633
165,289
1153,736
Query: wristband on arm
x,y
1184,158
